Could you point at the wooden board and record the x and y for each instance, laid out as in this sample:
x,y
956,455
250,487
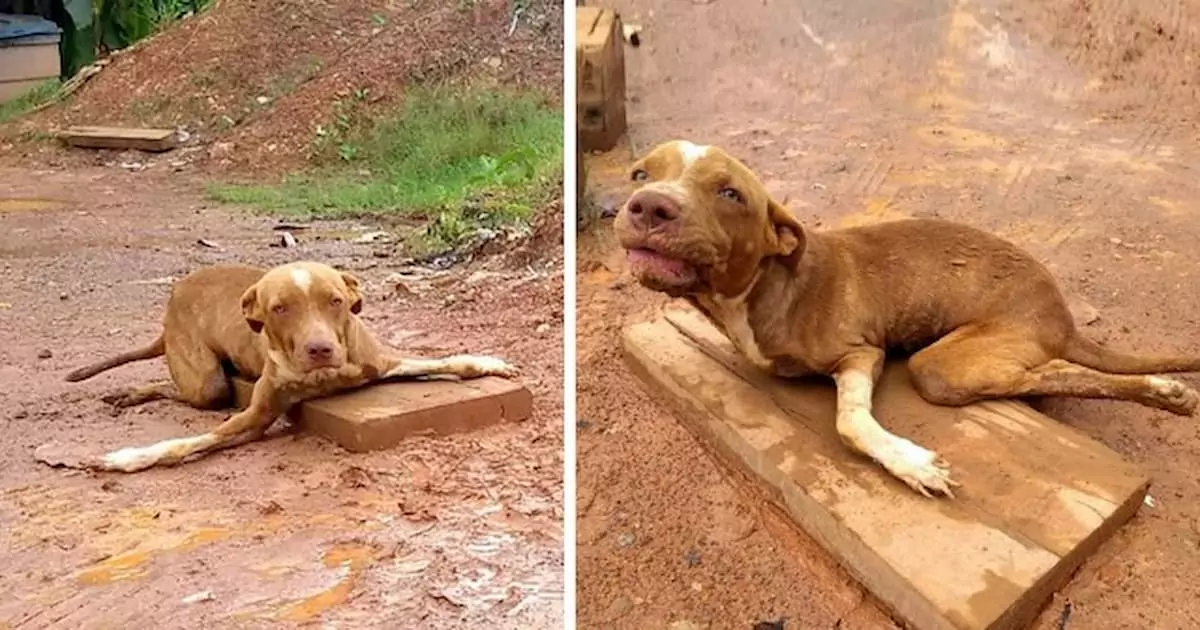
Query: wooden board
x,y
600,78
1037,497
383,415
154,140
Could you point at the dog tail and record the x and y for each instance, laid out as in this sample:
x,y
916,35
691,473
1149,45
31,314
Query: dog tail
x,y
1093,355
156,349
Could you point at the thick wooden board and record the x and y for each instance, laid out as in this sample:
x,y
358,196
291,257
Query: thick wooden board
x,y
1037,497
600,78
383,415
154,140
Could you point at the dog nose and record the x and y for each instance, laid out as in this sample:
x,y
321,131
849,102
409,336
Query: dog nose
x,y
319,350
649,209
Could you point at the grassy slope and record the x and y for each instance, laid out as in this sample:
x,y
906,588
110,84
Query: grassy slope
x,y
462,158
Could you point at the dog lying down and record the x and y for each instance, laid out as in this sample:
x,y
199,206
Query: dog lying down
x,y
294,328
983,318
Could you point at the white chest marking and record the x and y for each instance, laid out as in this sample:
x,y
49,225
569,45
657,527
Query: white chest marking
x,y
302,278
691,152
734,317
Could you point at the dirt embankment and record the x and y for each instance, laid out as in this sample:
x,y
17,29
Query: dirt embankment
x,y
251,80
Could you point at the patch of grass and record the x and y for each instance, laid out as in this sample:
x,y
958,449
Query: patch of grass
x,y
463,159
23,104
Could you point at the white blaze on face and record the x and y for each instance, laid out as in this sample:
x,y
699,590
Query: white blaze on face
x,y
691,152
302,278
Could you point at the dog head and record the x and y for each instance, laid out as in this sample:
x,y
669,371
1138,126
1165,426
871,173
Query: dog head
x,y
305,310
701,222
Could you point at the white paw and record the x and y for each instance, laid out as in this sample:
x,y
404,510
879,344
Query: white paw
x,y
488,366
918,467
130,459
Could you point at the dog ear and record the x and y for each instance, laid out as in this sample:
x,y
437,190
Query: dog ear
x,y
252,310
788,233
356,301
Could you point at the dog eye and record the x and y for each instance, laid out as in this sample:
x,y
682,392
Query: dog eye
x,y
336,301
731,195
640,175
279,309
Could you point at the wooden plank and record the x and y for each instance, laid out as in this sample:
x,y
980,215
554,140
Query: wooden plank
x,y
154,140
600,78
383,415
1037,497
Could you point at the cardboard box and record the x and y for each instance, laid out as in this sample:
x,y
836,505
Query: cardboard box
x,y
600,78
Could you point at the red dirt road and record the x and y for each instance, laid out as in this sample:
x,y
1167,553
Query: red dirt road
x,y
865,111
462,531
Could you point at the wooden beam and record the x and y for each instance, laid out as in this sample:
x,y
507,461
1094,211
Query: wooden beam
x,y
1037,497
153,140
383,415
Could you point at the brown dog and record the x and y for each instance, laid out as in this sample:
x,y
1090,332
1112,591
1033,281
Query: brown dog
x,y
984,319
294,328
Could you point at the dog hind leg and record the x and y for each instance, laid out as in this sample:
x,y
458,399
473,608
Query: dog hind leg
x,y
244,426
973,365
199,378
132,396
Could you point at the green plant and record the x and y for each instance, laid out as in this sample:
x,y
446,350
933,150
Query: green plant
x,y
30,100
463,158
122,22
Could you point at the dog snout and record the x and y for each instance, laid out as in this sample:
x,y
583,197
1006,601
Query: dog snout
x,y
319,350
649,210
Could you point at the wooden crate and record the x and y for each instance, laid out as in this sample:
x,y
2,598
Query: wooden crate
x,y
600,78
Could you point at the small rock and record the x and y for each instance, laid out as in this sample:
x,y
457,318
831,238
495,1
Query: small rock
x,y
45,353
542,330
632,34
262,100
372,237
770,625
1114,240
64,296
195,598
1085,314
207,243
220,150
270,507
287,240
482,276
626,540
692,558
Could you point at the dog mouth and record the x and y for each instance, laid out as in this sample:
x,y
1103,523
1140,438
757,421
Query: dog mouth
x,y
661,271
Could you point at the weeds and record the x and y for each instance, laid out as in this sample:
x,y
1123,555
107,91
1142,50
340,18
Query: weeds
x,y
462,159
25,103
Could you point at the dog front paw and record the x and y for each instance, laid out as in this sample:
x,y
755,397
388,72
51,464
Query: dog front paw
x,y
477,366
920,468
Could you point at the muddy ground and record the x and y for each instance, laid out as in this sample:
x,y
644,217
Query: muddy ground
x,y
462,531
1026,119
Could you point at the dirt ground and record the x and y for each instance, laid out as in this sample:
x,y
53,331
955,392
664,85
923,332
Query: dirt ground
x,y
463,531
1024,118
